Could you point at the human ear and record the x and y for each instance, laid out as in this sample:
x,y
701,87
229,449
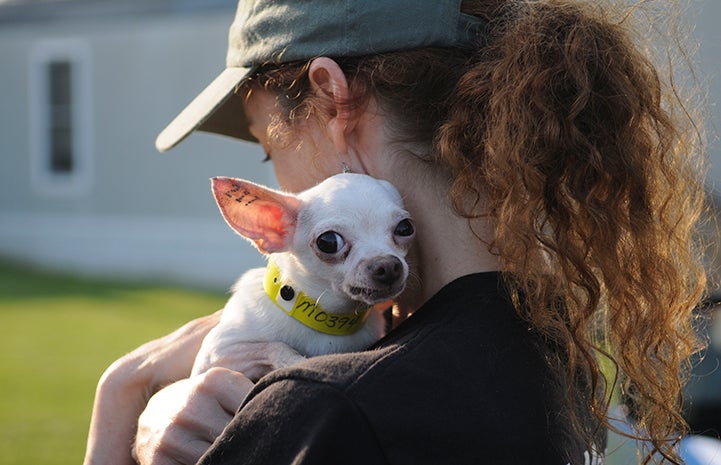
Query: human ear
x,y
328,81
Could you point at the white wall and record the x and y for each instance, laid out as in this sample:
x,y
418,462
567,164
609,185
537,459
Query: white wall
x,y
141,215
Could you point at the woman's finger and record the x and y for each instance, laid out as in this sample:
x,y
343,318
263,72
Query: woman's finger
x,y
182,420
257,359
227,387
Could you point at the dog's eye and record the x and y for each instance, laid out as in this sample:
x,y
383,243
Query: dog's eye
x,y
330,242
404,228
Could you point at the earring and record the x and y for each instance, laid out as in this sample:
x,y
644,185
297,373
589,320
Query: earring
x,y
343,164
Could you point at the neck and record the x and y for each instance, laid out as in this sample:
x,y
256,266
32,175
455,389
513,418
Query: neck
x,y
447,246
446,249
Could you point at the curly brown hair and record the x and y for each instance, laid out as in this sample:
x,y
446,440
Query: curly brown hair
x,y
588,167
561,128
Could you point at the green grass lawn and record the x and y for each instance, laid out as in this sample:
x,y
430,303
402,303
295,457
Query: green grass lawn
x,y
57,335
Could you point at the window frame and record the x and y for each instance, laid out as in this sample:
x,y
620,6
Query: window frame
x,y
45,180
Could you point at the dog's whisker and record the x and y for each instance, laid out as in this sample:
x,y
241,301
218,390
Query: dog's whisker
x,y
413,281
317,301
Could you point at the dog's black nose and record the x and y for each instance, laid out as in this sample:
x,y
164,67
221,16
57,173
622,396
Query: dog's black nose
x,y
386,270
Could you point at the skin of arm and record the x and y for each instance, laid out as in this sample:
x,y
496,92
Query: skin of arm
x,y
177,413
126,386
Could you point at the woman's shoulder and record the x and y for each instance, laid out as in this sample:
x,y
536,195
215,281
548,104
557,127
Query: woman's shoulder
x,y
466,333
447,409
463,370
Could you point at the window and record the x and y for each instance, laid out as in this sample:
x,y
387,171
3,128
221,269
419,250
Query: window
x,y
61,117
60,120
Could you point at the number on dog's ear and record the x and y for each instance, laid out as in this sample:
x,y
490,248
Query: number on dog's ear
x,y
264,216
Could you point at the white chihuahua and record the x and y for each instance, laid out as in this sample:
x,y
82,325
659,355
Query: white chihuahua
x,y
334,252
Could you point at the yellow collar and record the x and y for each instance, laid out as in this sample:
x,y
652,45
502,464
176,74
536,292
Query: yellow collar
x,y
306,310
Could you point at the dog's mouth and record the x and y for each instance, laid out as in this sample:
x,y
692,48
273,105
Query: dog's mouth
x,y
377,279
373,296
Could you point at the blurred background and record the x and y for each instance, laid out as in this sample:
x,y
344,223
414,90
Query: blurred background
x,y
86,87
105,243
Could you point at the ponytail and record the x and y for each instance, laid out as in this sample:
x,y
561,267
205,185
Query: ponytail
x,y
563,130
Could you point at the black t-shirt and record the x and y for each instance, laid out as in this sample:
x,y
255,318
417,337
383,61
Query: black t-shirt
x,y
462,381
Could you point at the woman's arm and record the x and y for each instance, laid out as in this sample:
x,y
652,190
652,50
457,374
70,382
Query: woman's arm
x,y
128,384
125,387
181,421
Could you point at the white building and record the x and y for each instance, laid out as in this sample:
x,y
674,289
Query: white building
x,y
86,85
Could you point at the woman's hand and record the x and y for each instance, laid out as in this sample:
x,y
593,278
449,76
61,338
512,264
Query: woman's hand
x,y
255,359
127,384
181,421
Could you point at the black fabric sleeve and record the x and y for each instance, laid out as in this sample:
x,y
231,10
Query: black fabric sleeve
x,y
297,422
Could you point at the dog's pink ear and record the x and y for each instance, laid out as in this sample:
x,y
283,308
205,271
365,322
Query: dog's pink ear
x,y
264,216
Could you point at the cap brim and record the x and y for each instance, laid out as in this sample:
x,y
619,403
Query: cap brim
x,y
216,109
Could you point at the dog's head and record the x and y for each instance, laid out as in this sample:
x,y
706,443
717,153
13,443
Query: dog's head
x,y
349,234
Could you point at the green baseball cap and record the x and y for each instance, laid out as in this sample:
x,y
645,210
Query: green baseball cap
x,y
281,31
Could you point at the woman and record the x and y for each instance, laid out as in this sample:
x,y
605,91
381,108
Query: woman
x,y
552,186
